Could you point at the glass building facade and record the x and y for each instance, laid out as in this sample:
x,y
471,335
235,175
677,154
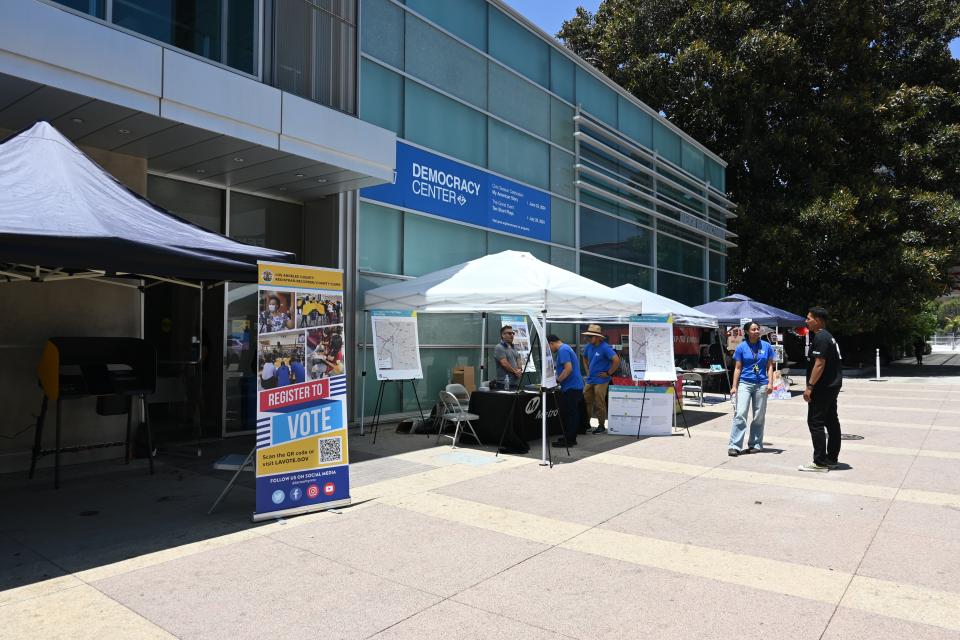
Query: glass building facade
x,y
628,197
632,198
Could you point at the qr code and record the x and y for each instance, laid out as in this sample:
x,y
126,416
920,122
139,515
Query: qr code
x,y
330,450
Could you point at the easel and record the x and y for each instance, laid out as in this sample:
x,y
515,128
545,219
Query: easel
x,y
233,479
516,397
375,425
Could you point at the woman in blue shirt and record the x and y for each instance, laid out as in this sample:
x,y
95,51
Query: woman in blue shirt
x,y
752,383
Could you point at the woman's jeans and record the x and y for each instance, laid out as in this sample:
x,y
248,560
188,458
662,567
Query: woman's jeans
x,y
747,393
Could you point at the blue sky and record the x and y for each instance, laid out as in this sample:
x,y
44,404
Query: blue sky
x,y
550,14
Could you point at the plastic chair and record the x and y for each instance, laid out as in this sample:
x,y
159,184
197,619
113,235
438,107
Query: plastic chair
x,y
459,391
693,382
453,412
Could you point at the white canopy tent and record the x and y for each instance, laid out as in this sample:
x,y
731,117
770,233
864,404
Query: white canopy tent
x,y
508,282
661,305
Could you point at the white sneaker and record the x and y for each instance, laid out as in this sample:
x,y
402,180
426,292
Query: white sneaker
x,y
816,468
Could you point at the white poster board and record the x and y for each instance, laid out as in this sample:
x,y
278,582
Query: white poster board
x,y
651,348
626,406
396,345
521,340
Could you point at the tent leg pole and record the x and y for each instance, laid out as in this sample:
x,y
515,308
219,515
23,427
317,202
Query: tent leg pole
x,y
541,330
201,361
363,372
483,347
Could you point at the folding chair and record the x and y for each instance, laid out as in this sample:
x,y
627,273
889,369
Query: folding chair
x,y
453,412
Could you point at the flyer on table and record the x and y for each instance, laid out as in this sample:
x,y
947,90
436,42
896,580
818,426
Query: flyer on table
x,y
302,461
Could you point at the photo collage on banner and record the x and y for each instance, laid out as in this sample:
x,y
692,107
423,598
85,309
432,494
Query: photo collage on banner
x,y
302,458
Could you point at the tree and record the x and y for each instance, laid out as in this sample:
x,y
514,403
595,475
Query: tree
x,y
840,120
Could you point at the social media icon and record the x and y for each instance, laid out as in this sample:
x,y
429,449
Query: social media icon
x,y
329,489
296,493
278,496
313,491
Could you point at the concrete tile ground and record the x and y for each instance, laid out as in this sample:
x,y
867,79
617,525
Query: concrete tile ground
x,y
657,538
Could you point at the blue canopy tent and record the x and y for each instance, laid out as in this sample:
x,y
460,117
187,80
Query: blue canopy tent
x,y
731,309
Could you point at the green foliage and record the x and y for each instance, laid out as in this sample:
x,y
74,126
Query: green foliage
x,y
840,120
947,308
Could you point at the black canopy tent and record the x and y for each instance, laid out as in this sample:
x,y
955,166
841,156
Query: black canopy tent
x,y
63,216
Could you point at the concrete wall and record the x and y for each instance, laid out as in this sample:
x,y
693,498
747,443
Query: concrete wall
x,y
34,311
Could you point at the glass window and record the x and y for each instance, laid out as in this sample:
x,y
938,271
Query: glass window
x,y
562,222
717,291
444,125
466,19
666,143
606,272
561,124
635,123
689,291
513,45
517,155
382,33
681,232
449,328
562,75
90,7
314,51
600,233
429,245
266,223
381,96
192,26
561,172
516,100
680,256
563,258
614,274
596,98
445,63
718,267
380,234
692,159
242,20
497,242
715,175
203,206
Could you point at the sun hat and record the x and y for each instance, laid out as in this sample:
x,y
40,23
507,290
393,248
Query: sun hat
x,y
594,330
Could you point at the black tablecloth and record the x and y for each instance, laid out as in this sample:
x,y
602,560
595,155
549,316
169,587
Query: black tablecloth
x,y
493,407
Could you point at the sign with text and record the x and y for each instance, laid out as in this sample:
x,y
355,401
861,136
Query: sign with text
x,y
651,348
647,411
396,345
433,184
302,462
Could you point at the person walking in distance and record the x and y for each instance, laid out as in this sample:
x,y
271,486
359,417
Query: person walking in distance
x,y
601,362
752,383
824,380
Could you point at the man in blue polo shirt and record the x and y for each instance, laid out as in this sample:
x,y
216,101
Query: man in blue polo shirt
x,y
601,362
571,389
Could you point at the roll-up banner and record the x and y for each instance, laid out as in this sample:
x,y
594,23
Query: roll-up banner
x,y
302,461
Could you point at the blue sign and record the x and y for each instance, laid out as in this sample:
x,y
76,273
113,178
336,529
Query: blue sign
x,y
433,184
322,417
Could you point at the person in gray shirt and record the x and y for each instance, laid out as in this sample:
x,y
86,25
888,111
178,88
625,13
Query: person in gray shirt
x,y
507,359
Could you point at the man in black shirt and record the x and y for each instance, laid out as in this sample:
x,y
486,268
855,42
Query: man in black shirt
x,y
824,379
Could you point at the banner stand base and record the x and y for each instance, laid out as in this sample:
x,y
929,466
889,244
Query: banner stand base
x,y
297,511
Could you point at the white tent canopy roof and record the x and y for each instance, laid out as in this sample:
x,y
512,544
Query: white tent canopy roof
x,y
653,303
506,282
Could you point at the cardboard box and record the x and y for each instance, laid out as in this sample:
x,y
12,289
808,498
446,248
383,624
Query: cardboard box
x,y
466,377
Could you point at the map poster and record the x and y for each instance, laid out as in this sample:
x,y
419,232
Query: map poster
x,y
651,348
648,410
396,346
521,340
302,461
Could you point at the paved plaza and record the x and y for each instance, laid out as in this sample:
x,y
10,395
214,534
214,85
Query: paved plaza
x,y
659,538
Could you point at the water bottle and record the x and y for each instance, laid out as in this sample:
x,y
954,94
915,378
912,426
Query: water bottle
x,y
506,381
